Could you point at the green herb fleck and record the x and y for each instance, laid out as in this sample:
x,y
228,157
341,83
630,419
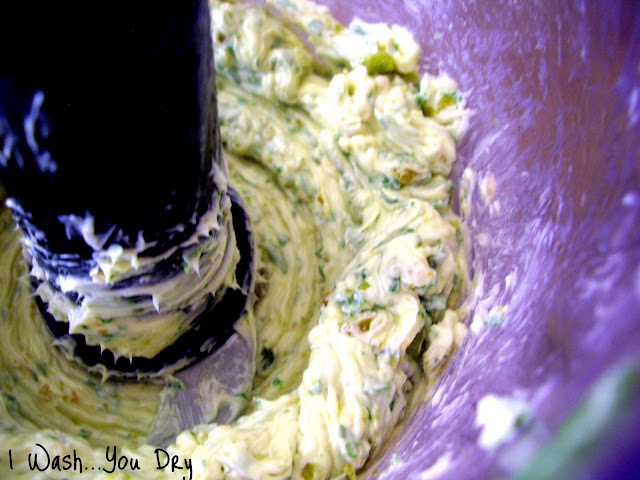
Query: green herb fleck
x,y
42,368
283,239
350,302
419,343
380,62
92,384
383,388
274,257
448,99
321,270
391,183
352,449
176,384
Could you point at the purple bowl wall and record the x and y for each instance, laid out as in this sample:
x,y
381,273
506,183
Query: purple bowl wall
x,y
555,90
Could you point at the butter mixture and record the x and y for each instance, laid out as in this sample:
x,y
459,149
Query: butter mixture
x,y
341,152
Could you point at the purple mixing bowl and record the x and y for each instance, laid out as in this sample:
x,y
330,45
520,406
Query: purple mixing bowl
x,y
555,90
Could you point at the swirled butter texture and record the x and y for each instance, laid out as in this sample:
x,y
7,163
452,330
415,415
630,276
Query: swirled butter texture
x,y
341,152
